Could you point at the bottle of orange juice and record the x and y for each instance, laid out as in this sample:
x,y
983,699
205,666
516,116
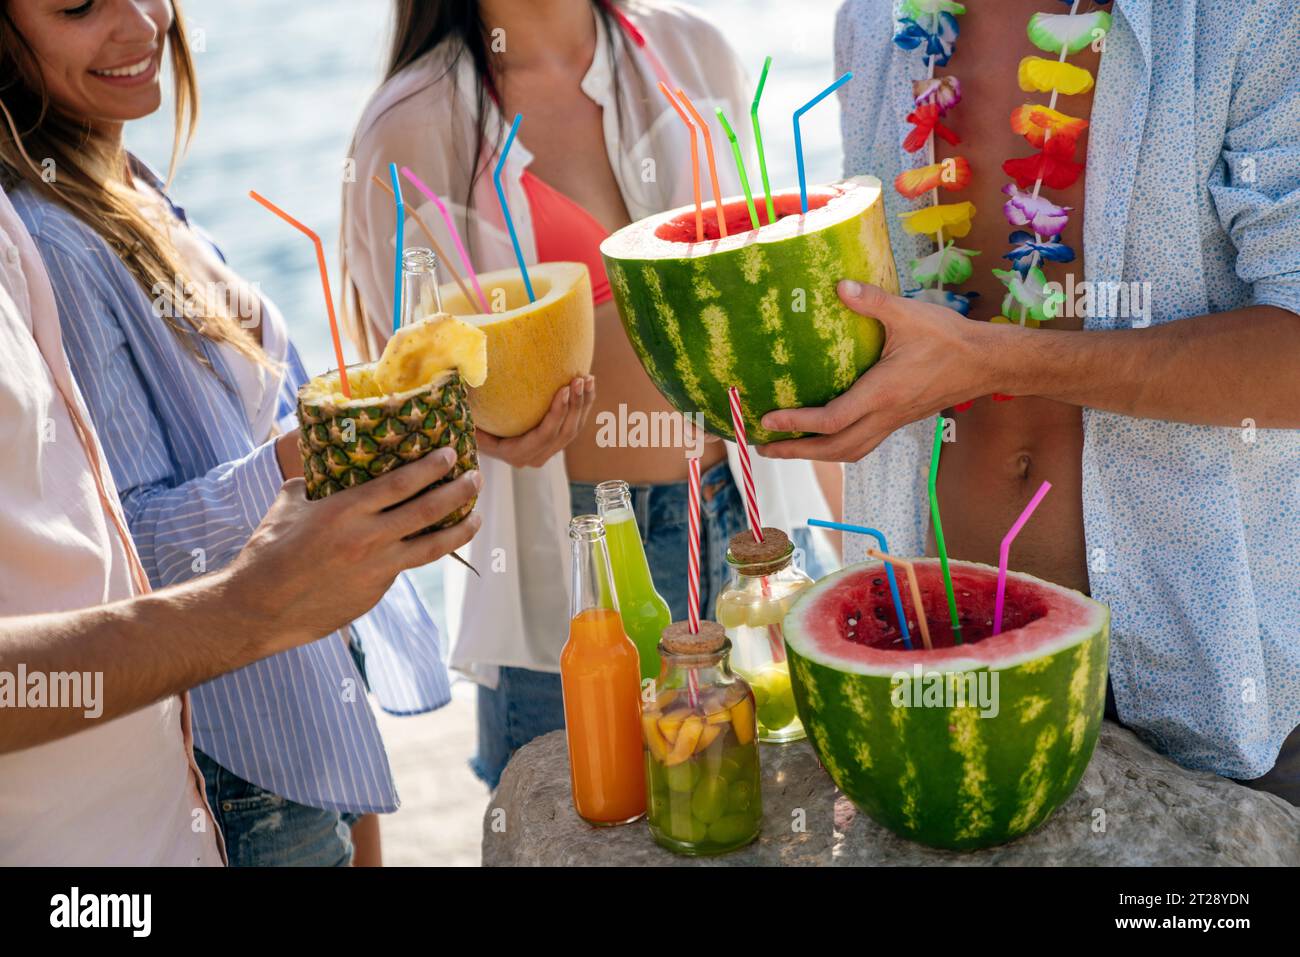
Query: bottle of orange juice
x,y
600,674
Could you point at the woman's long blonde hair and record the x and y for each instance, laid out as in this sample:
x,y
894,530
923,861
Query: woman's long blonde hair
x,y
91,179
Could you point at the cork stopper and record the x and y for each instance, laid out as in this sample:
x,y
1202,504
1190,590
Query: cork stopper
x,y
678,640
760,558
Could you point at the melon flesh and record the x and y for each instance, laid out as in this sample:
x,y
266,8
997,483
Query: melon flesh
x,y
533,349
948,771
757,309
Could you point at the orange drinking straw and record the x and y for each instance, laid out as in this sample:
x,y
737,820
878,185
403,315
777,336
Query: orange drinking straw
x,y
695,162
428,234
913,586
713,169
324,281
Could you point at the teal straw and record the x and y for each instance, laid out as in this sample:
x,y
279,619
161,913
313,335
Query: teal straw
x,y
798,141
889,569
505,207
740,167
938,529
397,262
758,142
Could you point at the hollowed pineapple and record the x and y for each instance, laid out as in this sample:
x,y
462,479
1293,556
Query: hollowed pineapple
x,y
346,442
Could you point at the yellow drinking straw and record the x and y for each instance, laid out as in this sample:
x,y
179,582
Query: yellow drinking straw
x,y
913,587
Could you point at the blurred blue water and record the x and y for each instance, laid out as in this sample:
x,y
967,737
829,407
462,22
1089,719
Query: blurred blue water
x,y
283,83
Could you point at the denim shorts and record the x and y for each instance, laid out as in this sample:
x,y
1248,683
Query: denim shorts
x,y
263,829
526,704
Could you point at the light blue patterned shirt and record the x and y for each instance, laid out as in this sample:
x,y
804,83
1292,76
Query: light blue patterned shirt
x,y
191,476
1193,185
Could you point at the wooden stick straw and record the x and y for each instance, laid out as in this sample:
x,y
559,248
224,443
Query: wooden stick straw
x,y
758,140
713,168
695,161
938,528
428,234
450,223
913,587
324,281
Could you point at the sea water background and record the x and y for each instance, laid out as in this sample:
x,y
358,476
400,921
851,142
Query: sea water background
x,y
283,82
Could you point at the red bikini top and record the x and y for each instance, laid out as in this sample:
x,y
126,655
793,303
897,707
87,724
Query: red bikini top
x,y
565,232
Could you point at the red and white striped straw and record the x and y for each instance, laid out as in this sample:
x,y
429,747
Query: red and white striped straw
x,y
693,571
693,547
751,496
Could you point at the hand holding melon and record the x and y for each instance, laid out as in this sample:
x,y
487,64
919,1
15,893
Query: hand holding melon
x,y
757,309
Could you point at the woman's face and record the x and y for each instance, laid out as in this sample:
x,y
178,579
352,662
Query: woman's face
x,y
101,59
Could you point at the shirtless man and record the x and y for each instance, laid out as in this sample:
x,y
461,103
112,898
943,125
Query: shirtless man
x,y
1193,168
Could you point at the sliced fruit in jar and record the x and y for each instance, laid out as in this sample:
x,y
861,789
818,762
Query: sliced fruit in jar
x,y
654,738
732,610
740,795
742,719
671,723
708,736
687,737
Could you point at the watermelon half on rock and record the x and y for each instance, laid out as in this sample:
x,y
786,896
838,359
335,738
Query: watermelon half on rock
x,y
757,309
963,746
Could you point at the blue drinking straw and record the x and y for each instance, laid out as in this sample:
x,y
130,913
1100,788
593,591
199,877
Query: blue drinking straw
x,y
798,142
889,569
397,263
505,207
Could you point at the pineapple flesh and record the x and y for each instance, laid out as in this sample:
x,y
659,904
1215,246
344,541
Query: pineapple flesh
x,y
397,414
426,349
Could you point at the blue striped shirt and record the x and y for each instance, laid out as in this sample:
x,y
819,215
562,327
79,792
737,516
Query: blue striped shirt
x,y
194,484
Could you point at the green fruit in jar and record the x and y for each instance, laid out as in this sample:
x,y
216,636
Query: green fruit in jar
x,y
733,828
682,777
776,709
682,826
710,799
740,795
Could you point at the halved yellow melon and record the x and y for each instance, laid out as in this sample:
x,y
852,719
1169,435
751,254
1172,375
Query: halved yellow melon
x,y
532,348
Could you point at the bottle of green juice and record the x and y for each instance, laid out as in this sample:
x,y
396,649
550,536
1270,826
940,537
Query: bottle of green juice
x,y
645,613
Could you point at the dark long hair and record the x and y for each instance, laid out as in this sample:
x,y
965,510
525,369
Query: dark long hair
x,y
423,25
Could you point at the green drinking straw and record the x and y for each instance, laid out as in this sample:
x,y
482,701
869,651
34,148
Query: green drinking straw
x,y
938,529
758,141
740,167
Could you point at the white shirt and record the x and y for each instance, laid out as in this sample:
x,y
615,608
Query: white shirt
x,y
517,614
125,791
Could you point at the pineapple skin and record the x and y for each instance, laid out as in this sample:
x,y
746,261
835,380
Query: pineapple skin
x,y
386,433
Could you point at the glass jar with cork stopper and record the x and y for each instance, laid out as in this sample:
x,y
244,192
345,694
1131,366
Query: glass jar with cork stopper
x,y
702,771
764,584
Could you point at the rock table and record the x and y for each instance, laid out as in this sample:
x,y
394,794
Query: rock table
x,y
1133,807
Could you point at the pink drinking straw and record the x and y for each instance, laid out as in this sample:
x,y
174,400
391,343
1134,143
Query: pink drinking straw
x,y
1004,553
693,569
432,197
751,496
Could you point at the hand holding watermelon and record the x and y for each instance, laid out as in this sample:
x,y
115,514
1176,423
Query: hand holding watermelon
x,y
933,358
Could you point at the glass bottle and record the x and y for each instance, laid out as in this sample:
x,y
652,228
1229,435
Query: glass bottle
x,y
701,747
645,613
420,296
601,681
764,584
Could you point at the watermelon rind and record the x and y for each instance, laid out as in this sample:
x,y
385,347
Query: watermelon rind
x,y
757,309
946,776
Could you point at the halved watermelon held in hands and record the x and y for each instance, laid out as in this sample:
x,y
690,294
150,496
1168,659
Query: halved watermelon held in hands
x,y
963,746
757,309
